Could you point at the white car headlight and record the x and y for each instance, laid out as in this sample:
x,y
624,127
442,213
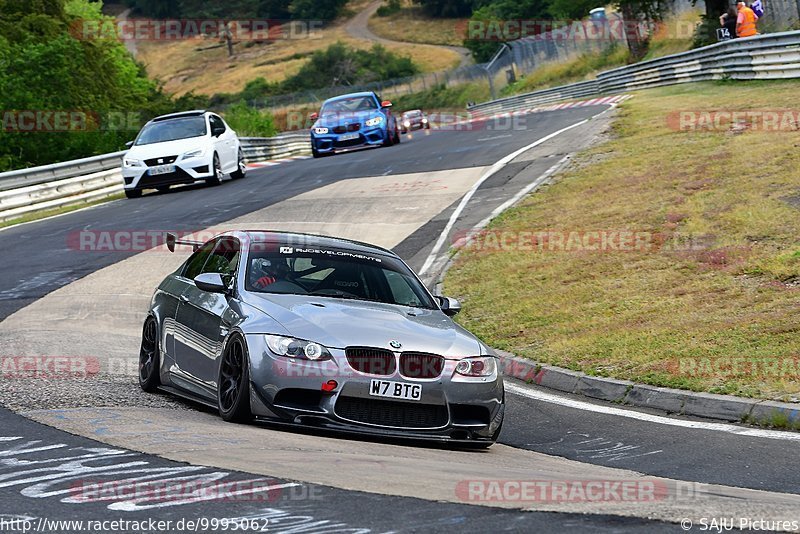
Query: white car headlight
x,y
320,131
129,162
481,366
424,120
194,153
407,124
374,121
297,348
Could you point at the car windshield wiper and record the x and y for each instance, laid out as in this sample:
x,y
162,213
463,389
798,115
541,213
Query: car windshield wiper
x,y
346,296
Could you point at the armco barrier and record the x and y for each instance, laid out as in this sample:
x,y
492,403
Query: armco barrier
x,y
90,179
766,57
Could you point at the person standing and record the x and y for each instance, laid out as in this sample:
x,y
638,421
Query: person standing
x,y
745,21
728,22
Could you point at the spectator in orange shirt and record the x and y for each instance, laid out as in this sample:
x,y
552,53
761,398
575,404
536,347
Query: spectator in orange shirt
x,y
745,21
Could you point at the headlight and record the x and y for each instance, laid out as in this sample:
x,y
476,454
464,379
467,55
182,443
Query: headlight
x,y
127,162
374,122
407,124
297,348
194,154
320,131
424,120
482,366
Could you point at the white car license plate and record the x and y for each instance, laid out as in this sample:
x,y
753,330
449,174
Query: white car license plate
x,y
161,169
348,137
395,390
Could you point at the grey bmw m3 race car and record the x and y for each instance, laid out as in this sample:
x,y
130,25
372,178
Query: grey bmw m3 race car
x,y
317,331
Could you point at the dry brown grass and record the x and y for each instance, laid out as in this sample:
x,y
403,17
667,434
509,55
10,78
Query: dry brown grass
x,y
203,65
411,25
735,293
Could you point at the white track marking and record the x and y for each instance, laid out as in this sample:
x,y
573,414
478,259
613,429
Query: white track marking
x,y
538,395
437,247
525,190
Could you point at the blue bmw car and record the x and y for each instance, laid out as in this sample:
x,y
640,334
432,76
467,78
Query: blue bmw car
x,y
353,121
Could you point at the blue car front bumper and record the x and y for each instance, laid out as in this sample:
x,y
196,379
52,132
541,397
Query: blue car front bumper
x,y
326,143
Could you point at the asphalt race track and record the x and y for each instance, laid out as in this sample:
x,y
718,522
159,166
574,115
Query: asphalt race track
x,y
57,299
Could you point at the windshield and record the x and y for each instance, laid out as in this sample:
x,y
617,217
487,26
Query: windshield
x,y
336,274
412,114
172,129
359,103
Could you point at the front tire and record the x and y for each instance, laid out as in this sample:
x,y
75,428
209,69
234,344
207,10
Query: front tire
x,y
233,385
149,357
133,193
389,139
217,178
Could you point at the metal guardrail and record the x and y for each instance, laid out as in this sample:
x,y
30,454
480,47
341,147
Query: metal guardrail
x,y
89,179
765,57
282,146
59,171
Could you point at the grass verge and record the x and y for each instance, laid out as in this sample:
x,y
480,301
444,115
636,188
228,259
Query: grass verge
x,y
711,306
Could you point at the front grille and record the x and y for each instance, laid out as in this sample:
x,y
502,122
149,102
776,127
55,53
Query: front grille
x,y
421,365
160,161
347,128
178,177
350,142
391,413
369,361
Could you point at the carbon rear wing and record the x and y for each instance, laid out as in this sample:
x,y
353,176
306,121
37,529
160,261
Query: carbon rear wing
x,y
173,240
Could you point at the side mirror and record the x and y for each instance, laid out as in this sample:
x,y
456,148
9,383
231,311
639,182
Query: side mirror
x,y
216,132
210,282
386,104
129,144
449,306
314,116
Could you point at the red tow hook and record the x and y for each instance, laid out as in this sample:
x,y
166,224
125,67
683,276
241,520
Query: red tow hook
x,y
330,386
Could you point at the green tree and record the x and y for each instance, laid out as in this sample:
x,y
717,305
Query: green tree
x,y
447,8
50,67
316,9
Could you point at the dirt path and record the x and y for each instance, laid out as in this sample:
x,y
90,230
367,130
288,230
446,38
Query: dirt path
x,y
358,28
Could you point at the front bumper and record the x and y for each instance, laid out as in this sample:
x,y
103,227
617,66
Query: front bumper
x,y
414,126
186,171
451,409
331,142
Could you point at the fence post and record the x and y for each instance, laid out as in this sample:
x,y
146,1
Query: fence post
x,y
491,84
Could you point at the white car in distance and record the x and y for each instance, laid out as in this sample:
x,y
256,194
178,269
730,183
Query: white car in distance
x,y
182,148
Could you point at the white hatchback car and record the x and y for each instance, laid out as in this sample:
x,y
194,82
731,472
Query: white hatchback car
x,y
182,148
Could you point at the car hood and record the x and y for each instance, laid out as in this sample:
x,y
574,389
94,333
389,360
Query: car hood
x,y
167,148
338,323
336,119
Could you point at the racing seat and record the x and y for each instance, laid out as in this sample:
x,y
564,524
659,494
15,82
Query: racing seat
x,y
347,279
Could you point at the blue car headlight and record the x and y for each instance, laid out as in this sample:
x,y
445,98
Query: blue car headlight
x,y
375,121
320,131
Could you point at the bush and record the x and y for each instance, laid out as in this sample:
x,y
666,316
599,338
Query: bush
x,y
249,121
391,8
340,64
